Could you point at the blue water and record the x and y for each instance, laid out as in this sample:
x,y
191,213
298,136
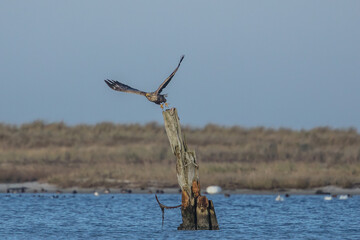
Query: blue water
x,y
137,216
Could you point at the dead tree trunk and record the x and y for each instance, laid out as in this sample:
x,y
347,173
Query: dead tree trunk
x,y
197,211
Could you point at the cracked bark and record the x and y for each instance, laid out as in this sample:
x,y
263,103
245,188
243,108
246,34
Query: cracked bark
x,y
197,211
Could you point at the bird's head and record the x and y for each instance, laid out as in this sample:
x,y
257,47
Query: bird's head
x,y
148,96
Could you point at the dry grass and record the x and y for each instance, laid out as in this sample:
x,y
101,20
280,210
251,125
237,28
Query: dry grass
x,y
134,155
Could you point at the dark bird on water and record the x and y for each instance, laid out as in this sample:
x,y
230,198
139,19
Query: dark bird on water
x,y
154,97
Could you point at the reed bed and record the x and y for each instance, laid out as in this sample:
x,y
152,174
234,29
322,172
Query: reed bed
x,y
123,155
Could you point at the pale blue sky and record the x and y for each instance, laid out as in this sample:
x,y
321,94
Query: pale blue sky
x,y
276,64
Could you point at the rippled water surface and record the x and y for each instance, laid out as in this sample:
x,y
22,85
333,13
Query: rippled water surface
x,y
137,216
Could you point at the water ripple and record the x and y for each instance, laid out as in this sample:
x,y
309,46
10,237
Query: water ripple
x,y
137,216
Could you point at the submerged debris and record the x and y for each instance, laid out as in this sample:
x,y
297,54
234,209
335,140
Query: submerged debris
x,y
162,207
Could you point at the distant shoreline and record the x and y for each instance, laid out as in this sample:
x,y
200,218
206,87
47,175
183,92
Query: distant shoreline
x,y
36,187
139,156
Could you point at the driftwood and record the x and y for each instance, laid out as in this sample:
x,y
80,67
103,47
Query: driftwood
x,y
197,211
162,207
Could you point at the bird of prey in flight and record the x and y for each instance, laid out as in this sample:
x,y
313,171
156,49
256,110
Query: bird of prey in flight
x,y
154,97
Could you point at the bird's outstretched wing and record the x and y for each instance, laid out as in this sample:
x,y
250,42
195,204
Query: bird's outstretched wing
x,y
122,87
166,82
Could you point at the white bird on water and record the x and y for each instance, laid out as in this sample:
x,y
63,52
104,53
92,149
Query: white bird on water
x,y
279,198
213,189
343,197
328,198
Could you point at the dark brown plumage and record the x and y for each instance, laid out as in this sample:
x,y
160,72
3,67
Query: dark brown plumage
x,y
154,97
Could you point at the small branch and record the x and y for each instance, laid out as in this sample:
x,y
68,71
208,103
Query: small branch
x,y
162,207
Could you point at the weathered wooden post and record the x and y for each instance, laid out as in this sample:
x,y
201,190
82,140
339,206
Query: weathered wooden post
x,y
197,211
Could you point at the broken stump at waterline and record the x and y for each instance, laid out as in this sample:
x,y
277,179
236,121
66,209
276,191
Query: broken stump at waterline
x,y
197,211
